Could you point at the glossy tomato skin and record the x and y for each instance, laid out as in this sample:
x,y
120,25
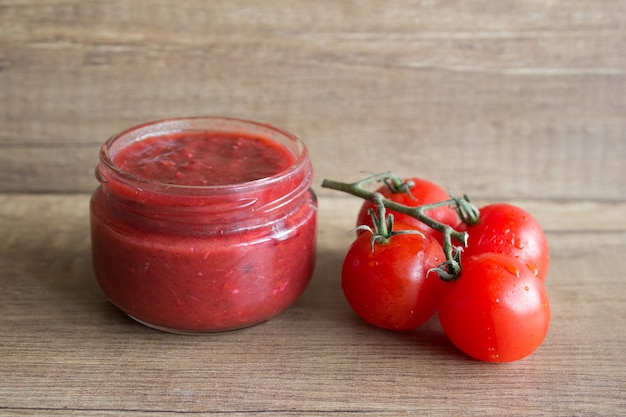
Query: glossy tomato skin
x,y
423,192
497,310
390,287
509,230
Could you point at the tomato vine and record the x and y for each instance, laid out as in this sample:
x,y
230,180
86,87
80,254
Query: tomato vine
x,y
495,308
450,269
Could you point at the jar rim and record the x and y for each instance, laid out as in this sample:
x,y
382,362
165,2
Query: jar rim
x,y
215,124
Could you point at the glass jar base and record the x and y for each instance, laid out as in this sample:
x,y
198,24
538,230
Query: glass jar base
x,y
192,332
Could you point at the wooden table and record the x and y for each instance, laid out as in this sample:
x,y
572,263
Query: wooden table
x,y
503,100
67,351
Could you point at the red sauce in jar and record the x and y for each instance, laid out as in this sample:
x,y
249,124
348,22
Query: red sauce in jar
x,y
204,158
207,229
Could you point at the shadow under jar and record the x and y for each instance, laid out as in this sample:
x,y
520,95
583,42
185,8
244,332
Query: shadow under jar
x,y
203,224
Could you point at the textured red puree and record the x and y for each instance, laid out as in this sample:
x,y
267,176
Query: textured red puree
x,y
203,261
203,158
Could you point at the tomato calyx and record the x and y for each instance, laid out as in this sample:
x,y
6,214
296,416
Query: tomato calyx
x,y
397,185
467,212
383,223
450,269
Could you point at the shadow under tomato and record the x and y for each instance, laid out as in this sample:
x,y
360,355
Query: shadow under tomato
x,y
323,305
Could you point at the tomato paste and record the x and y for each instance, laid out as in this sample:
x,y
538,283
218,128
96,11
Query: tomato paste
x,y
203,224
203,158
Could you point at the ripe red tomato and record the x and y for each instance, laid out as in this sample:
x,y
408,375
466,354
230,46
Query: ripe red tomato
x,y
509,230
423,192
390,287
497,310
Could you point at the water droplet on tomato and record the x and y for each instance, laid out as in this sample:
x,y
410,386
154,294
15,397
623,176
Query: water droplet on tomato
x,y
512,269
533,269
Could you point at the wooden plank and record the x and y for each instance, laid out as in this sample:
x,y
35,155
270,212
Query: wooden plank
x,y
499,104
66,351
554,216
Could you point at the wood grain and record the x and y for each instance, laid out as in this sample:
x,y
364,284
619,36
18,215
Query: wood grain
x,y
495,99
64,350
501,100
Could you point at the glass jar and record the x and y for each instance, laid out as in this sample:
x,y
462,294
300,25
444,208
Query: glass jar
x,y
188,258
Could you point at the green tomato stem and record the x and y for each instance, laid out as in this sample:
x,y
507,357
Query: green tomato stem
x,y
451,268
383,229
